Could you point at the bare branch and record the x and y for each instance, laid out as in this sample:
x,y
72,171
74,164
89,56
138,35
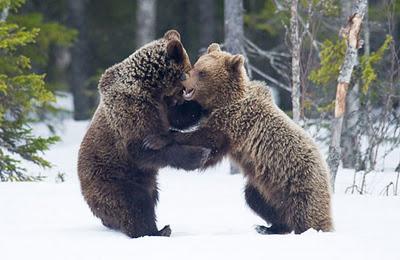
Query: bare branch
x,y
270,79
279,6
306,30
267,54
278,60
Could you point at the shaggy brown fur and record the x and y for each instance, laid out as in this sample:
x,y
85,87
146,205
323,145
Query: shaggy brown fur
x,y
287,179
117,174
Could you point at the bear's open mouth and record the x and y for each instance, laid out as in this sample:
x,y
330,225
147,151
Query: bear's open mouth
x,y
188,93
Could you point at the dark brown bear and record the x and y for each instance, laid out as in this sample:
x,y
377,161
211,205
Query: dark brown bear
x,y
118,175
287,179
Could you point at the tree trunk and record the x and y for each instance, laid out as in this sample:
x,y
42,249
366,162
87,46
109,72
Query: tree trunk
x,y
295,40
350,140
79,68
207,22
234,36
351,34
371,136
145,22
351,134
345,6
4,14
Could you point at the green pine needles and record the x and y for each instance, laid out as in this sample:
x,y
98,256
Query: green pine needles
x,y
23,95
332,57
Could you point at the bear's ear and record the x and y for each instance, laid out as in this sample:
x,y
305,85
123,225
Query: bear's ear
x,y
175,51
107,80
235,62
213,47
172,35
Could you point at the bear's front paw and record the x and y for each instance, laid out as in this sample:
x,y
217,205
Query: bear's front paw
x,y
186,157
155,142
199,157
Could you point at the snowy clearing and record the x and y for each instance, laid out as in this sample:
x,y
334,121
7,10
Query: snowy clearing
x,y
206,211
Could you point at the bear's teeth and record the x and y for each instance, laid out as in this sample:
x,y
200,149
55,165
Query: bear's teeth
x,y
188,94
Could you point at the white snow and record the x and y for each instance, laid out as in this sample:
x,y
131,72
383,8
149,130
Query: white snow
x,y
206,211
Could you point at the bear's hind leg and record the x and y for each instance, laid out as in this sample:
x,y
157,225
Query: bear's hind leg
x,y
275,229
140,218
257,203
307,210
127,207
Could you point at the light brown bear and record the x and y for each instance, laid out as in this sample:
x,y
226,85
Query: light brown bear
x,y
287,179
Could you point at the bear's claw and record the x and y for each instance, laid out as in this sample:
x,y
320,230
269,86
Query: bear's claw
x,y
155,142
263,230
197,158
206,155
165,231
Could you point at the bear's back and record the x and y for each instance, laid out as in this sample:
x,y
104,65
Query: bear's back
x,y
265,135
99,147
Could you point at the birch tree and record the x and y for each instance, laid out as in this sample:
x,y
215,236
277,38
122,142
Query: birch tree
x,y
295,40
351,34
233,27
145,21
234,36
351,142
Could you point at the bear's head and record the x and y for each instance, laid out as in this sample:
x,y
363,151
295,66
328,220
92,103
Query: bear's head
x,y
157,67
178,63
217,79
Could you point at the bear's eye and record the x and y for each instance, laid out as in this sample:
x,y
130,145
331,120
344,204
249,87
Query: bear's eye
x,y
202,73
183,77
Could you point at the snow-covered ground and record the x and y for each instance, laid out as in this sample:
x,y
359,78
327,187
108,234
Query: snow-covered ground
x,y
206,211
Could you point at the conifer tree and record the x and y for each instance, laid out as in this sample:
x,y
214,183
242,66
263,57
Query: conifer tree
x,y
22,95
